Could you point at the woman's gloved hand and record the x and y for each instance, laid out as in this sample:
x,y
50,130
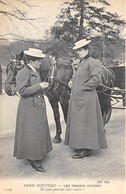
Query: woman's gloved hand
x,y
70,84
44,85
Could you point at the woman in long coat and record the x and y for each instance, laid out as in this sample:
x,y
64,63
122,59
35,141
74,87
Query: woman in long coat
x,y
32,137
85,128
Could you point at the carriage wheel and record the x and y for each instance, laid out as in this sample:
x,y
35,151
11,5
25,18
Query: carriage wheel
x,y
108,115
124,99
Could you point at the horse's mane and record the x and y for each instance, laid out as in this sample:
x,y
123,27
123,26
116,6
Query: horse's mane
x,y
108,76
63,62
46,63
20,56
109,69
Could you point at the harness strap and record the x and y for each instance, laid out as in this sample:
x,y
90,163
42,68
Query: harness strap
x,y
62,82
10,82
116,90
52,75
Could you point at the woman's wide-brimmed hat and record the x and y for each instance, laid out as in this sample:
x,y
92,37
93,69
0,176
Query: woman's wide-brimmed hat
x,y
81,43
35,53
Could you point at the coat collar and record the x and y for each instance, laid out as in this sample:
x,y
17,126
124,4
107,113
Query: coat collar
x,y
33,70
84,60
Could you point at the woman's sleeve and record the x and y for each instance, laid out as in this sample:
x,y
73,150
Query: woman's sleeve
x,y
23,86
95,75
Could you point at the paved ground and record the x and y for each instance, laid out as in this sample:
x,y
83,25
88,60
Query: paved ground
x,y
8,110
106,165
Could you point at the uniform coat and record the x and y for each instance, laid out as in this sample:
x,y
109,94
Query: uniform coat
x,y
32,137
85,128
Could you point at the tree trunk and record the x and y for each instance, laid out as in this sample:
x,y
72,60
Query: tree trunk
x,y
81,29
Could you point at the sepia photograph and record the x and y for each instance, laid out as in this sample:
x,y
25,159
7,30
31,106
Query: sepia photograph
x,y
62,96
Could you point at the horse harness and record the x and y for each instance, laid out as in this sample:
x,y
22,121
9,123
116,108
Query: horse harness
x,y
52,76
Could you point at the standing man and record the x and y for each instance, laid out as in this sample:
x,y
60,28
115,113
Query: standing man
x,y
85,128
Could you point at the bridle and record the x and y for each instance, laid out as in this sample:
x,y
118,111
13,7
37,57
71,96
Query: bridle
x,y
10,82
51,77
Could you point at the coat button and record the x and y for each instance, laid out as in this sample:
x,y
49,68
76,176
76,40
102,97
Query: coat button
x,y
39,96
33,78
40,104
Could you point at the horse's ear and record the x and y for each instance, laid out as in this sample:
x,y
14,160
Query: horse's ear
x,y
20,55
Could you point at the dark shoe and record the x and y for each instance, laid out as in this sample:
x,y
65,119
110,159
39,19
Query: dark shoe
x,y
81,155
37,166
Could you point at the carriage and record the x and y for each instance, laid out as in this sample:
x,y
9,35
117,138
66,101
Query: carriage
x,y
119,82
117,92
58,75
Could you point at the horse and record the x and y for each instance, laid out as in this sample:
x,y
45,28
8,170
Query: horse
x,y
104,95
58,75
11,71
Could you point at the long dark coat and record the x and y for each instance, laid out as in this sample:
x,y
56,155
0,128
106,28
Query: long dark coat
x,y
85,128
32,137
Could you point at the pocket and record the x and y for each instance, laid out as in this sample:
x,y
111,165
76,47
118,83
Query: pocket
x,y
38,100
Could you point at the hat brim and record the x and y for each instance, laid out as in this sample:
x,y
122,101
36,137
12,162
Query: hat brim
x,y
35,55
81,45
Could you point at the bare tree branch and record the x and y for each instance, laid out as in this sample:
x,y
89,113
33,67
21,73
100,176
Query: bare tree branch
x,y
19,14
3,2
20,18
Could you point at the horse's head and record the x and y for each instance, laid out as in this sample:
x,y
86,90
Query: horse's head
x,y
10,83
56,71
65,69
48,70
11,71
